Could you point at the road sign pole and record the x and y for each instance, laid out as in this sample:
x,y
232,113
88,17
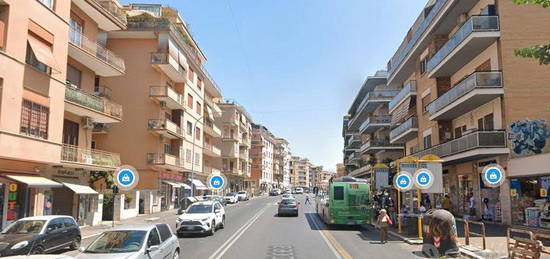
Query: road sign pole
x,y
398,201
418,204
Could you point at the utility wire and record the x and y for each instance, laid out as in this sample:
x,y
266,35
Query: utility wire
x,y
241,43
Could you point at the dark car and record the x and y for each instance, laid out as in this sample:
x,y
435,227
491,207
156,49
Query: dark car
x,y
219,199
40,234
288,207
274,192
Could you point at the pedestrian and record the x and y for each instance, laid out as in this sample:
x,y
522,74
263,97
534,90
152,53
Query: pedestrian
x,y
307,199
391,208
471,205
383,223
447,203
422,208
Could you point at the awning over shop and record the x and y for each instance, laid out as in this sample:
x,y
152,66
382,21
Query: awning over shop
x,y
199,185
34,181
177,185
80,189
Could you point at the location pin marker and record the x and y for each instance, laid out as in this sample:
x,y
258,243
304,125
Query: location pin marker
x,y
125,178
493,176
423,179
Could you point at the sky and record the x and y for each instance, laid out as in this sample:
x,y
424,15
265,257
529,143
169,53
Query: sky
x,y
296,65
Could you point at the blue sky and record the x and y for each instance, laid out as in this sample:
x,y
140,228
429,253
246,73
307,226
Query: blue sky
x,y
296,65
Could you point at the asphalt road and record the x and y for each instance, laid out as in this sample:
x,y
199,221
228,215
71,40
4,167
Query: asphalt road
x,y
253,230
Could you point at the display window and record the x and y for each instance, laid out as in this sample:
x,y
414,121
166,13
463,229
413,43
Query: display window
x,y
530,201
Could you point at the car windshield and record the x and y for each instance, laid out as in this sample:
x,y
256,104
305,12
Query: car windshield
x,y
242,192
288,201
200,208
25,227
231,194
117,242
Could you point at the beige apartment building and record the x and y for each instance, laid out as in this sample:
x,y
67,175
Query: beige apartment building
x,y
300,171
54,60
236,128
468,99
282,159
262,156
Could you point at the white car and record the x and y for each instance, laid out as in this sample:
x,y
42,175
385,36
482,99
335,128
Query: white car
x,y
231,197
299,190
134,242
243,195
201,217
287,196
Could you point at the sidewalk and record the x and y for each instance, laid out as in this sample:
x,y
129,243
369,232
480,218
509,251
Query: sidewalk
x,y
91,231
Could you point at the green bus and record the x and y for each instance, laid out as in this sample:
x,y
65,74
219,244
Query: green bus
x,y
345,203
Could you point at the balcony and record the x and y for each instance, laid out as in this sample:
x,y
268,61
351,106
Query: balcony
x,y
478,33
94,56
470,93
211,129
245,142
108,15
370,103
211,150
76,157
408,90
374,123
167,95
165,161
354,141
216,111
231,171
476,145
257,143
210,170
243,155
165,128
404,132
100,128
83,104
169,65
374,146
230,137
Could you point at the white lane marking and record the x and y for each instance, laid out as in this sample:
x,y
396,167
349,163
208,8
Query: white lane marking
x,y
225,246
86,237
329,244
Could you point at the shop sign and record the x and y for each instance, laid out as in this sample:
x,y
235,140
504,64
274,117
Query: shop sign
x,y
544,186
543,193
65,173
381,177
168,176
126,177
12,201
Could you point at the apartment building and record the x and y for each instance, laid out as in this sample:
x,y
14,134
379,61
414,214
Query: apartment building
x,y
54,59
262,156
283,156
340,170
300,171
367,128
236,128
463,98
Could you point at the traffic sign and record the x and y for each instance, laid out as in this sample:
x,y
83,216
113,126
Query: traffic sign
x,y
216,182
126,177
403,181
423,179
493,175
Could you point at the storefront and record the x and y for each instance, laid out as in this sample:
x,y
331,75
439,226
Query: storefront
x,y
530,201
200,187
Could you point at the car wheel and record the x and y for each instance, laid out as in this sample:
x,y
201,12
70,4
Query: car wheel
x,y
176,254
75,244
223,223
212,228
37,250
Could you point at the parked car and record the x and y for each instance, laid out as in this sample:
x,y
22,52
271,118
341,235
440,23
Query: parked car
x,y
243,195
219,199
274,192
49,256
231,197
201,217
288,207
40,234
134,242
299,190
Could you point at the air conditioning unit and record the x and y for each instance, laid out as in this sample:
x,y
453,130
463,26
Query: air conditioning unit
x,y
162,104
87,123
462,18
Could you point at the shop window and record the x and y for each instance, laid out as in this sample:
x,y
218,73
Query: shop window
x,y
4,11
34,119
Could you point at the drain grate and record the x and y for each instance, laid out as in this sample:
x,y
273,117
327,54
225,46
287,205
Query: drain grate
x,y
281,252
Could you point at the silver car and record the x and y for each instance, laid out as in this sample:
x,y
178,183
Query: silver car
x,y
134,242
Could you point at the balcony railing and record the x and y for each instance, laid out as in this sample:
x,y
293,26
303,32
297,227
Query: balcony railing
x,y
114,9
103,91
402,53
91,157
209,124
102,105
411,123
162,58
474,24
166,91
212,148
93,48
164,124
376,143
409,88
100,128
163,159
388,94
477,80
478,139
383,119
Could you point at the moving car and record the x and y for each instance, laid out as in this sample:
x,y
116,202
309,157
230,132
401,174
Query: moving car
x,y
288,207
231,198
274,192
299,190
201,217
134,242
39,234
219,199
243,195
287,196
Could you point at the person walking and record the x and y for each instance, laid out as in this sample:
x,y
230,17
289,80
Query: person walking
x,y
307,199
446,203
383,223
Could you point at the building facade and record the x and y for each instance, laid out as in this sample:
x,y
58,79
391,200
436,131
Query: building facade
x,y
283,156
262,155
300,168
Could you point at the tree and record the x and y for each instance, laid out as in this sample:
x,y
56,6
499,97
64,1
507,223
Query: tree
x,y
540,52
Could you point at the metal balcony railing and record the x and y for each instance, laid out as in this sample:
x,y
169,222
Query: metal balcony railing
x,y
114,9
478,139
411,123
166,91
103,91
99,104
93,48
375,120
378,95
376,143
410,87
92,157
100,128
476,80
163,159
164,124
162,58
212,148
474,24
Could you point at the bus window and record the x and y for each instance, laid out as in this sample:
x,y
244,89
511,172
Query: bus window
x,y
338,193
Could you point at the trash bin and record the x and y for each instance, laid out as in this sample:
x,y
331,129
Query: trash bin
x,y
439,234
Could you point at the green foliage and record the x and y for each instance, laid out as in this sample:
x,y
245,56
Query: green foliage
x,y
98,175
540,52
543,3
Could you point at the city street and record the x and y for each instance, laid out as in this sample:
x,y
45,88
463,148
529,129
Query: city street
x,y
253,230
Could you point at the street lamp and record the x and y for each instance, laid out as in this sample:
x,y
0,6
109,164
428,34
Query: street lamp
x,y
194,136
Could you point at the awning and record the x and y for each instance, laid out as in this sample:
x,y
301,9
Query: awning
x,y
34,181
80,189
199,185
177,185
43,53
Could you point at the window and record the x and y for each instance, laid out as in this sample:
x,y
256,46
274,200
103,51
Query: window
x,y
167,149
189,128
459,131
425,101
190,75
197,133
199,108
486,123
339,193
34,119
197,158
199,83
4,11
56,224
69,222
75,33
70,132
165,232
188,155
190,101
423,65
153,239
33,61
73,75
427,141
47,3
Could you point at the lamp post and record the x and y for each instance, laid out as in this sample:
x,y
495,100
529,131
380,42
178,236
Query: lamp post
x,y
194,136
